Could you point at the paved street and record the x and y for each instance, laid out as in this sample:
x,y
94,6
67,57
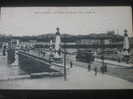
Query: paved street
x,y
77,78
124,72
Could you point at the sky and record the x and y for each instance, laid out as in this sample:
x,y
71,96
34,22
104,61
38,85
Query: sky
x,y
19,21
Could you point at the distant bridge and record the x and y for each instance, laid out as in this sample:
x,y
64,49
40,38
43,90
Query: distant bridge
x,y
95,46
89,45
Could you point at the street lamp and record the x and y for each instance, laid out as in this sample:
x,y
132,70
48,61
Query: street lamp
x,y
102,47
65,72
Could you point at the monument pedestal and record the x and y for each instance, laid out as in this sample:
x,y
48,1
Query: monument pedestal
x,y
10,56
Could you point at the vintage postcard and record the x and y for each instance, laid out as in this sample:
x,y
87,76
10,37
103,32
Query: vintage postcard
x,y
66,47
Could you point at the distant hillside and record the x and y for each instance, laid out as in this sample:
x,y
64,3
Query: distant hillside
x,y
64,37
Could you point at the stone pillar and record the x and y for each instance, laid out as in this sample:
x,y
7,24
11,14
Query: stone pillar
x,y
16,61
57,43
126,46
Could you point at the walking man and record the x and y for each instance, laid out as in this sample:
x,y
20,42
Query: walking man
x,y
4,50
89,67
95,69
105,68
71,64
102,69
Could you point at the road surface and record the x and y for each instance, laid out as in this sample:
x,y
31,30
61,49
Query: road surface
x,y
77,78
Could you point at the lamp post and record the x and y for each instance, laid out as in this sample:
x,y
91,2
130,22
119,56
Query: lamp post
x,y
102,47
65,72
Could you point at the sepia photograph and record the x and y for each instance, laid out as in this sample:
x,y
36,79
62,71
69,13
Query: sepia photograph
x,y
66,47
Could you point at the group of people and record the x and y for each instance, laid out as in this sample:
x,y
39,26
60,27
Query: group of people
x,y
103,69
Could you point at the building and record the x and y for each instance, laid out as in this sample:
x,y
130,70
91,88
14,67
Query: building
x,y
97,40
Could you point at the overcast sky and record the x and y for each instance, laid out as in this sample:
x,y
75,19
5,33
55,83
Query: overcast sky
x,y
71,20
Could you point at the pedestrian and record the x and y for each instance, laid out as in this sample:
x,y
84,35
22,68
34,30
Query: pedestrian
x,y
102,69
89,67
71,64
105,67
95,69
4,50
119,60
